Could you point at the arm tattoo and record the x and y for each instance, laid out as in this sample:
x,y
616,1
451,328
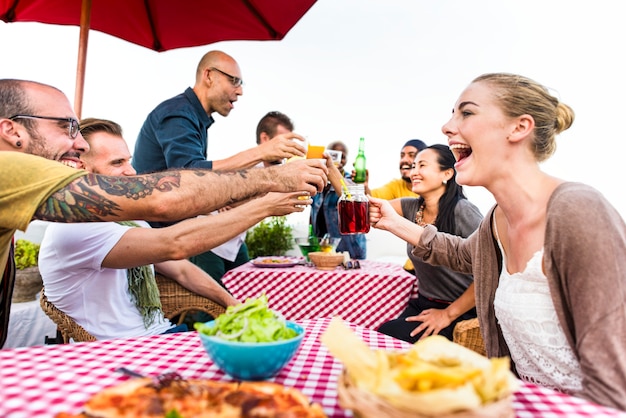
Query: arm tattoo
x,y
76,203
136,187
80,202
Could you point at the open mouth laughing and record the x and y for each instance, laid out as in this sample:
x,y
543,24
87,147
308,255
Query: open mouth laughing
x,y
460,151
72,162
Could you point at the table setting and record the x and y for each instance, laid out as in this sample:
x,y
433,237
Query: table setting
x,y
369,295
45,380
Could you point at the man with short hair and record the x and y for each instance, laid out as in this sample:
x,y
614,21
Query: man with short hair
x,y
37,119
101,274
401,187
271,125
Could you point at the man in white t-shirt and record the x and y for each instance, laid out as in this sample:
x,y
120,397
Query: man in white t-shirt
x,y
85,267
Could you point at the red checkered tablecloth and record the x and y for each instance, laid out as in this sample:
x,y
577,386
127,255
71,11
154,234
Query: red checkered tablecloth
x,y
369,296
42,381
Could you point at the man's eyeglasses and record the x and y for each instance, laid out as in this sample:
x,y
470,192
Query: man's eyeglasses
x,y
74,127
236,81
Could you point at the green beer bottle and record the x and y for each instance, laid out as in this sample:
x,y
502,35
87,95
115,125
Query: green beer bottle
x,y
359,163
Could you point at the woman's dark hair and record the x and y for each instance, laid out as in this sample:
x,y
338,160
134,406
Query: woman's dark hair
x,y
445,221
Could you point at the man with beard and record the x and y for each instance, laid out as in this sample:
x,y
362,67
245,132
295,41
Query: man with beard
x,y
401,187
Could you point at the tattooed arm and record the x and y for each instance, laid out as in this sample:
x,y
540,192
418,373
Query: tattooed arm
x,y
174,195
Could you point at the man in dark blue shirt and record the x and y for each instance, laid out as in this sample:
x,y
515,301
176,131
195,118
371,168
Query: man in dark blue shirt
x,y
174,135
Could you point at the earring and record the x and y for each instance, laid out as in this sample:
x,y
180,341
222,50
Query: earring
x,y
445,182
18,144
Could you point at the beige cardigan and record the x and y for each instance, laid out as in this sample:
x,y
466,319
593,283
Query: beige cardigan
x,y
585,263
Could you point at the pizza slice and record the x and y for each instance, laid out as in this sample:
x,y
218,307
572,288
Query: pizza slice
x,y
141,398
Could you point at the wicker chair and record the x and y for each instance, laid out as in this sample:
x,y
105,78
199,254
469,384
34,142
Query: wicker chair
x,y
68,328
467,333
176,300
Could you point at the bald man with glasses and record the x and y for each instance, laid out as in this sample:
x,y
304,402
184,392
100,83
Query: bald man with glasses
x,y
175,135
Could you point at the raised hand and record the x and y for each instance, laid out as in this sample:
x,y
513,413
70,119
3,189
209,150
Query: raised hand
x,y
302,175
382,214
280,204
282,146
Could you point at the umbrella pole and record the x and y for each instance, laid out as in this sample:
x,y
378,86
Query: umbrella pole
x,y
85,21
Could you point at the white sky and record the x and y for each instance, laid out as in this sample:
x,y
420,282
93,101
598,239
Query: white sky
x,y
386,70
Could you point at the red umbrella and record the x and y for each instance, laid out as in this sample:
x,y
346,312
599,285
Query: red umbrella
x,y
161,25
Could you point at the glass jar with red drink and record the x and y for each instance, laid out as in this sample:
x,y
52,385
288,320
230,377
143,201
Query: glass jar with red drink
x,y
353,210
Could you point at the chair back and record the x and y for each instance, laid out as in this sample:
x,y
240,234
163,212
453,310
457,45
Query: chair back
x,y
68,328
176,300
467,333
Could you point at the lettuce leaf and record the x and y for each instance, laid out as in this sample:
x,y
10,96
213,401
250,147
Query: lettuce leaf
x,y
252,322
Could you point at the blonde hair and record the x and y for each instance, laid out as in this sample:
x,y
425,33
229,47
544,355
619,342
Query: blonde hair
x,y
518,95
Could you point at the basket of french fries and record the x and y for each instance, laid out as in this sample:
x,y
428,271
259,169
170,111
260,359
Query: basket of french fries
x,y
434,378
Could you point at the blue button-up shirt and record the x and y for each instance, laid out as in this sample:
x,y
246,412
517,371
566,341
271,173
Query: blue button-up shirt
x,y
174,135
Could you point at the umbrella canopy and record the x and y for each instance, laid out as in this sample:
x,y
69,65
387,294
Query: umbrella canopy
x,y
161,25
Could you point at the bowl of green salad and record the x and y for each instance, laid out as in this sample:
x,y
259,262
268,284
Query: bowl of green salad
x,y
250,341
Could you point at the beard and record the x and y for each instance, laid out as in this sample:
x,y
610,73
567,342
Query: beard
x,y
37,146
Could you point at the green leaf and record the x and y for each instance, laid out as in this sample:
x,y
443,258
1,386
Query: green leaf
x,y
252,322
26,254
173,414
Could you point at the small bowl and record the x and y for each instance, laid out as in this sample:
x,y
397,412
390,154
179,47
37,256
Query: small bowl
x,y
326,261
251,361
329,245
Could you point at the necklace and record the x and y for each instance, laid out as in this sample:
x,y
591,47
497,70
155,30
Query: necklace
x,y
419,216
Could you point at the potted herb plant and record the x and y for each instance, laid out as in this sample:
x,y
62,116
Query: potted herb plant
x,y
28,280
272,236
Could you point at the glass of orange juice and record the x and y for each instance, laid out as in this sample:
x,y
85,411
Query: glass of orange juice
x,y
315,151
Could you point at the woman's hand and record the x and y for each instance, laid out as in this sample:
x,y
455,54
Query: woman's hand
x,y
432,322
382,214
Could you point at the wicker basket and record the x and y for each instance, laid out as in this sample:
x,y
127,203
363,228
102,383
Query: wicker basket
x,y
326,261
367,405
467,333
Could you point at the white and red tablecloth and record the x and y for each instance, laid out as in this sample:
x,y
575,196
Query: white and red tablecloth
x,y
42,381
369,296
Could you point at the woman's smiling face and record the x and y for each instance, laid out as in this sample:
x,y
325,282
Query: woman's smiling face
x,y
477,134
426,173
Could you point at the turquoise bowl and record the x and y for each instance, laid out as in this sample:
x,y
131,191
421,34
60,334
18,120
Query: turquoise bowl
x,y
251,361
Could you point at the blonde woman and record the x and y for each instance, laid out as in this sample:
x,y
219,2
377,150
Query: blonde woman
x,y
548,260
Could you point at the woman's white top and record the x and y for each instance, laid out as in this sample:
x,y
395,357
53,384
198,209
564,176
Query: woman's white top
x,y
531,329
